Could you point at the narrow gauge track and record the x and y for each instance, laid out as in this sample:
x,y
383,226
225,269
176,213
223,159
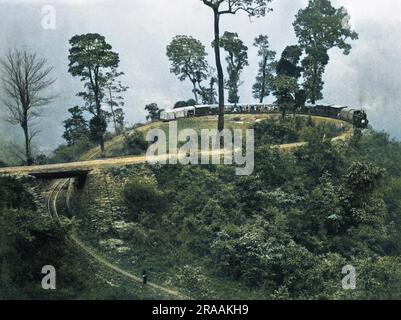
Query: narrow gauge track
x,y
57,188
60,185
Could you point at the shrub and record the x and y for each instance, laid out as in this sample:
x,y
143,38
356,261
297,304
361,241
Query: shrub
x,y
194,282
275,132
66,153
142,197
135,143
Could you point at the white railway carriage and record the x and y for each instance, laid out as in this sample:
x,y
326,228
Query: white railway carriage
x,y
179,113
167,115
357,117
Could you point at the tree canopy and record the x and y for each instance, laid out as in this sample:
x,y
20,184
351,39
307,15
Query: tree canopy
x,y
320,27
254,8
91,57
264,79
188,61
237,60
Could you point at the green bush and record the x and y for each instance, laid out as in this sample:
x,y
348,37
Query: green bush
x,y
135,143
13,194
194,282
274,132
71,153
142,198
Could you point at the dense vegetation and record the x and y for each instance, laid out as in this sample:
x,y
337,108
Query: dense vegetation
x,y
29,241
284,232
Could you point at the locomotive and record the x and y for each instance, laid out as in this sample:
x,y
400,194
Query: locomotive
x,y
357,117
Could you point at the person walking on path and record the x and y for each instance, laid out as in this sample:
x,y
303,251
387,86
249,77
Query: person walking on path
x,y
144,276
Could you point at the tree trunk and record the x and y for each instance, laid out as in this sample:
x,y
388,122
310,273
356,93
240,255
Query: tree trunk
x,y
219,68
314,89
262,93
194,91
99,114
28,153
112,111
102,153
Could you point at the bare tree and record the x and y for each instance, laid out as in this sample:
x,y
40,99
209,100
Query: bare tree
x,y
26,78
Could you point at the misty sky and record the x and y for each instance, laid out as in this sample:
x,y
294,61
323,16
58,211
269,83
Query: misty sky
x,y
139,30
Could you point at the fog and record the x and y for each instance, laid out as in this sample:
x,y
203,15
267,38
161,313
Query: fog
x,y
139,30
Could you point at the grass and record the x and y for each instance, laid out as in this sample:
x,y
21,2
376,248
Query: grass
x,y
161,260
232,122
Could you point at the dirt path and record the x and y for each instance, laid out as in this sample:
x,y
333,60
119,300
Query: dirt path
x,y
122,161
111,162
93,164
52,209
117,269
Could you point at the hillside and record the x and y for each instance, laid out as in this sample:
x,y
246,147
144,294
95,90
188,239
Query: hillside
x,y
285,232
115,146
206,232
280,233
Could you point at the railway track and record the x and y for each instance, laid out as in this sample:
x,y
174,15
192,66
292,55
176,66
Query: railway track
x,y
52,209
58,187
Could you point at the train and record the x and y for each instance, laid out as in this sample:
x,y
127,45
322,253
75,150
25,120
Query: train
x,y
357,117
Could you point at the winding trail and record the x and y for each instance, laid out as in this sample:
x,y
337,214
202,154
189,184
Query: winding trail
x,y
53,212
123,161
59,186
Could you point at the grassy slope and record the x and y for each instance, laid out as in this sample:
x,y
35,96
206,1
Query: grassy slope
x,y
157,260
232,121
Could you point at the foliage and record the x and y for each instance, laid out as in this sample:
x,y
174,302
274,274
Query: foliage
x,y
181,104
93,61
286,87
134,143
65,153
254,8
209,93
194,281
237,59
153,110
284,232
319,28
142,197
264,80
75,127
114,98
188,61
14,195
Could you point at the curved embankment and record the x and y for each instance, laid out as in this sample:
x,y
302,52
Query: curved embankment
x,y
92,164
121,161
52,209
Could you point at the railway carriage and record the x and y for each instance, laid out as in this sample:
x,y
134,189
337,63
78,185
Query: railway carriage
x,y
357,117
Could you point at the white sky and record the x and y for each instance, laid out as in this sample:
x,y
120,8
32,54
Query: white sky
x,y
141,29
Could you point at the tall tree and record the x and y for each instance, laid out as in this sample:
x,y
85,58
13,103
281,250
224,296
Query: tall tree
x,y
75,127
237,59
188,61
115,100
286,87
91,57
264,80
26,78
254,8
153,110
320,27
